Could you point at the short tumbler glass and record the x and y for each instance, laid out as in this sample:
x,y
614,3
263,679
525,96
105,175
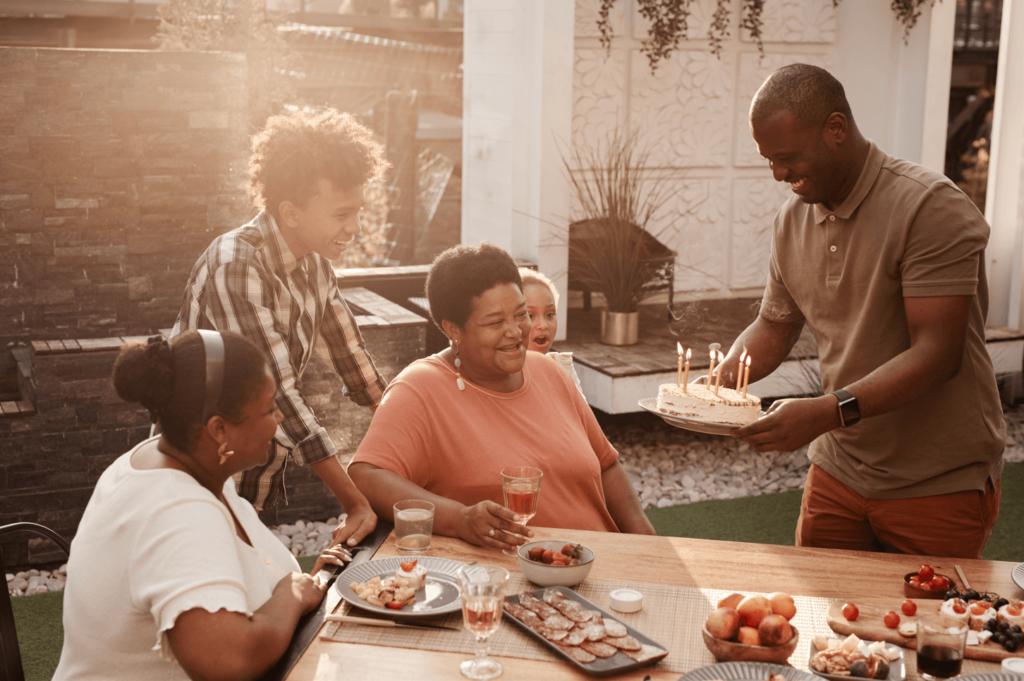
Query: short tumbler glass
x,y
940,646
414,523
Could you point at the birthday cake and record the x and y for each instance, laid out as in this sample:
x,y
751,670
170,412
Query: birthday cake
x,y
700,402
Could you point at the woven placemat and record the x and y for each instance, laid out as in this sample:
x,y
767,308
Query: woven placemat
x,y
672,616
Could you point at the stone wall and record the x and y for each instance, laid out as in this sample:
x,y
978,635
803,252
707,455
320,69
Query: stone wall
x,y
51,459
117,169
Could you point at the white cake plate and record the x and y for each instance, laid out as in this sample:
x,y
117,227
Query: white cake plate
x,y
696,425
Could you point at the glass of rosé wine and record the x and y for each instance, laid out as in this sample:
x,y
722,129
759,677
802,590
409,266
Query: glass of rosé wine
x,y
520,487
482,589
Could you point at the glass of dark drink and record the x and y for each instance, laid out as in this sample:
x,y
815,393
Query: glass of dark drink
x,y
520,487
940,646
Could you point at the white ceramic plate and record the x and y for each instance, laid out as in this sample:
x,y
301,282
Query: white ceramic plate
x,y
439,595
1018,577
710,427
746,671
897,669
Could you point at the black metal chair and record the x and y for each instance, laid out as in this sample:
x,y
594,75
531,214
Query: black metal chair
x,y
10,654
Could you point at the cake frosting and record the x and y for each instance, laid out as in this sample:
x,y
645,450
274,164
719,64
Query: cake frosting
x,y
415,578
700,402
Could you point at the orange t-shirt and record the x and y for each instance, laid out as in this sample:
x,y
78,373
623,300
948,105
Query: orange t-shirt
x,y
455,443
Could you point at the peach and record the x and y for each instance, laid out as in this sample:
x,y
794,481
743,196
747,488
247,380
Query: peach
x,y
723,623
730,601
782,604
749,636
753,609
774,630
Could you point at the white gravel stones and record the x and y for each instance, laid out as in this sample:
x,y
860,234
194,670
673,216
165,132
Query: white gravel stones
x,y
305,537
31,582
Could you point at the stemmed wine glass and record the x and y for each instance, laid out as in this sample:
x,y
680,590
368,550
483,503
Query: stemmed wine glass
x,y
520,487
482,590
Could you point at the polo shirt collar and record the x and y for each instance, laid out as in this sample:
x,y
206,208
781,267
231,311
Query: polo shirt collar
x,y
280,255
868,175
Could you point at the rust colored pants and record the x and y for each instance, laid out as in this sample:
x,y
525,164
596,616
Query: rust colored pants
x,y
833,516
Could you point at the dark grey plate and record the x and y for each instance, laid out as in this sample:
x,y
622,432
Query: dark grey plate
x,y
616,664
897,668
440,595
745,671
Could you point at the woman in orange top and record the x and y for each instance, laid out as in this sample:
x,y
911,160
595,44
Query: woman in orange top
x,y
449,424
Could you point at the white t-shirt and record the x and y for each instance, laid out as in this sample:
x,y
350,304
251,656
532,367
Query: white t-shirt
x,y
152,545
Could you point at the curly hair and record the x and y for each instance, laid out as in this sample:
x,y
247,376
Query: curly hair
x,y
294,151
463,273
169,379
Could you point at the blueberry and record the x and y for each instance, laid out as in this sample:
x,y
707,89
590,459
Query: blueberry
x,y
1004,626
971,595
1010,645
1015,628
998,638
952,593
1000,603
992,625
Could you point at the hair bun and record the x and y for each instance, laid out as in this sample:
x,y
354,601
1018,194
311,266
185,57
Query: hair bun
x,y
145,373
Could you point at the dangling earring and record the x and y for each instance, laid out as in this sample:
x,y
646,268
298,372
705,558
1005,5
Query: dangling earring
x,y
458,363
224,455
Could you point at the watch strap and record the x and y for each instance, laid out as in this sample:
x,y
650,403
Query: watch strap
x,y
845,399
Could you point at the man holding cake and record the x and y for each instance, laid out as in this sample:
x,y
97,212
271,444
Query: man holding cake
x,y
883,260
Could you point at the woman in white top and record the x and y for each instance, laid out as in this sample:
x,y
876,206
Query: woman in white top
x,y
542,304
172,575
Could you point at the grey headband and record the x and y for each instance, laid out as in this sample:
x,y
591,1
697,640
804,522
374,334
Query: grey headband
x,y
213,345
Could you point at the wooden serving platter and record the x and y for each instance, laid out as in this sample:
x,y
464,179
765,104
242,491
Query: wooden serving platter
x,y
870,627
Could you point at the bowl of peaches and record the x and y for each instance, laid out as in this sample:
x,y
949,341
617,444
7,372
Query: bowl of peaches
x,y
752,628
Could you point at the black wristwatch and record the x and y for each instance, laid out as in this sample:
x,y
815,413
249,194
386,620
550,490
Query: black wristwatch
x,y
849,409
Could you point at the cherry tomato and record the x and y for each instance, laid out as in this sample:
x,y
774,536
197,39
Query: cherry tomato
x,y
926,585
909,607
926,572
548,556
939,583
892,620
395,605
959,607
915,581
851,611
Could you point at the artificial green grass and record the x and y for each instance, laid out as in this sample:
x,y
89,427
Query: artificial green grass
x,y
771,519
767,519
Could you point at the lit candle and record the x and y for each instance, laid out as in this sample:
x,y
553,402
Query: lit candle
x,y
739,371
686,369
679,367
746,377
711,367
718,379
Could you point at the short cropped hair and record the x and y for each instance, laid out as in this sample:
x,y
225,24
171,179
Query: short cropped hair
x,y
169,379
462,273
810,93
294,151
534,277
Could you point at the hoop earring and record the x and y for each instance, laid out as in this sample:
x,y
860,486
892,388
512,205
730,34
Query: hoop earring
x,y
224,456
458,364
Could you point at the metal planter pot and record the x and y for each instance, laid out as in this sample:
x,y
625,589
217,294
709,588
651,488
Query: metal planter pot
x,y
620,328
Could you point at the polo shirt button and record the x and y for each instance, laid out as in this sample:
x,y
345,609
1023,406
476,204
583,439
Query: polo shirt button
x,y
833,249
832,218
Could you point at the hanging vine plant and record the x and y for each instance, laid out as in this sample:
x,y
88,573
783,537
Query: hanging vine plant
x,y
668,24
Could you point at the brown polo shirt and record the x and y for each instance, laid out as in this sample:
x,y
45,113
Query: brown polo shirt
x,y
903,232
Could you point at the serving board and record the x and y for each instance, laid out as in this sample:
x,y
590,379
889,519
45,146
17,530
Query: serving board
x,y
870,627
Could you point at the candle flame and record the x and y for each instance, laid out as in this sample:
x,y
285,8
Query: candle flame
x,y
748,361
679,347
687,354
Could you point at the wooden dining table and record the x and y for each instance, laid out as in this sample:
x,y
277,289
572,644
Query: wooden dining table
x,y
672,561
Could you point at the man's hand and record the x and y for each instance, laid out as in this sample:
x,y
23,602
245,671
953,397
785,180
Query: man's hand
x,y
360,522
791,424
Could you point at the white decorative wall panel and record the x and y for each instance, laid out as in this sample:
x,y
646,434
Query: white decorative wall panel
x,y
695,224
599,95
683,110
755,202
587,13
798,21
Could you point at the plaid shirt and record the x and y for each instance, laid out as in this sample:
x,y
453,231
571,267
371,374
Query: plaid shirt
x,y
248,281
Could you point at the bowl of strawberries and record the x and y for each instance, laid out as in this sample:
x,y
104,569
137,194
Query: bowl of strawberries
x,y
555,562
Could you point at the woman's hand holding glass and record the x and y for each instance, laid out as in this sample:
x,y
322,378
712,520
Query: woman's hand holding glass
x,y
490,524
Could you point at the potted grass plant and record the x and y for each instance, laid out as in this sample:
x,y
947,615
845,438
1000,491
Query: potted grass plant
x,y
611,248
